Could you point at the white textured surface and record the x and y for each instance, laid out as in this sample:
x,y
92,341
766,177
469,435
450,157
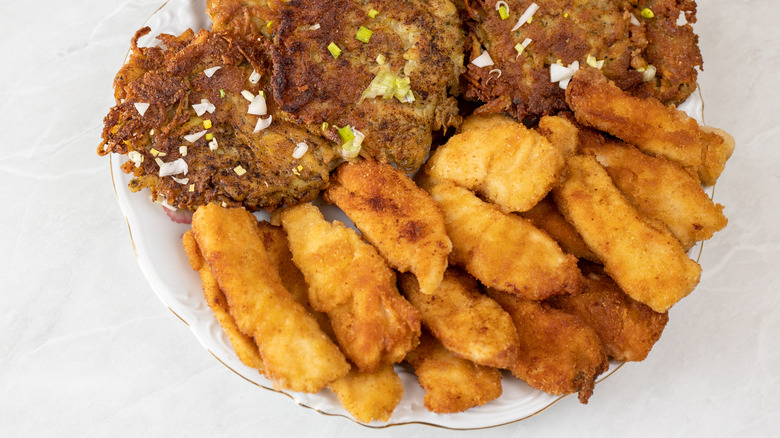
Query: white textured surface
x,y
86,348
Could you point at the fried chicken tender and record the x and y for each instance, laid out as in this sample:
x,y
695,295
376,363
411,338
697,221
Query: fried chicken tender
x,y
627,328
506,163
349,281
244,346
469,324
640,254
296,354
546,217
560,132
396,216
504,250
655,129
370,396
658,188
451,384
558,353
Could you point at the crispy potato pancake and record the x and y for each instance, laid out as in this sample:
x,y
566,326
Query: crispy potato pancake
x,y
640,254
649,125
237,166
244,345
558,353
421,41
658,188
350,281
296,354
546,217
370,396
451,384
397,217
466,322
627,328
504,250
507,163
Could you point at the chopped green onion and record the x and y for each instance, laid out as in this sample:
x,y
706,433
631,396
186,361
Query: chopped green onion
x,y
221,93
351,148
334,50
591,61
324,126
380,59
647,13
389,85
209,136
373,13
346,134
269,24
503,12
364,34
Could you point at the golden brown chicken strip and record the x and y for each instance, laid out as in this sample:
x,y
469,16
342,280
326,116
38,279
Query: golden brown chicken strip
x,y
350,282
546,217
370,396
654,128
396,216
641,255
466,322
504,250
506,163
561,132
297,355
451,384
627,328
658,188
558,353
244,346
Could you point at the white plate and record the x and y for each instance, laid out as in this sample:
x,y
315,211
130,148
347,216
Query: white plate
x,y
157,244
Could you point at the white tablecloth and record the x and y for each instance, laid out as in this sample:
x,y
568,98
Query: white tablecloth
x,y
86,348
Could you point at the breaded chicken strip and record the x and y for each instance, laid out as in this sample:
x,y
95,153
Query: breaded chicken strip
x,y
640,254
370,396
658,188
466,322
627,328
350,282
396,216
296,354
558,353
654,128
506,163
546,217
244,346
451,384
504,250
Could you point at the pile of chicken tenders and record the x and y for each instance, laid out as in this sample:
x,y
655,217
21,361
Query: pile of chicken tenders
x,y
540,251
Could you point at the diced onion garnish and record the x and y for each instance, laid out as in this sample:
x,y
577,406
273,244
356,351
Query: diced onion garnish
x,y
159,162
173,168
183,151
192,187
351,148
634,20
182,181
314,26
647,13
562,75
258,107
380,59
300,150
649,73
483,60
520,47
373,13
192,138
209,72
204,107
591,61
334,50
141,107
254,77
135,157
164,202
213,145
239,170
262,123
526,16
503,9
247,95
